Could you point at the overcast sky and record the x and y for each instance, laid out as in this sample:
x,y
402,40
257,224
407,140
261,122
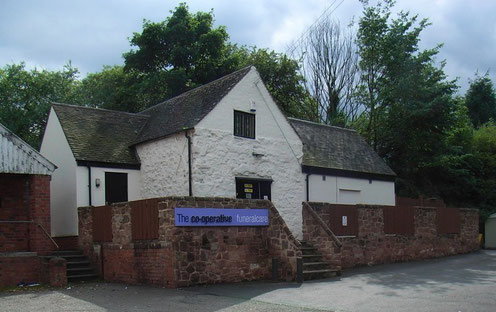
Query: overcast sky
x,y
90,33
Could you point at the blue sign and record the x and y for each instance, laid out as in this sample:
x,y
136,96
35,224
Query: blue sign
x,y
221,217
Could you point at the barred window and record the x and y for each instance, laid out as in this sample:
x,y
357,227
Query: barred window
x,y
244,124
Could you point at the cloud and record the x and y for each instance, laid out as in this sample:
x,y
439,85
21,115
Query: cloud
x,y
93,33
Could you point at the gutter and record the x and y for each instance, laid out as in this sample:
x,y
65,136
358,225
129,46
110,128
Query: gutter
x,y
190,184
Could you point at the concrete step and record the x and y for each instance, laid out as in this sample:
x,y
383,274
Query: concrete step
x,y
82,276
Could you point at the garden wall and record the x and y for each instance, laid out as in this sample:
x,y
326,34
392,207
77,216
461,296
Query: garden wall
x,y
185,256
371,245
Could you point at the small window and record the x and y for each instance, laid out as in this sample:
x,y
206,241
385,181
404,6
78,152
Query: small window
x,y
244,124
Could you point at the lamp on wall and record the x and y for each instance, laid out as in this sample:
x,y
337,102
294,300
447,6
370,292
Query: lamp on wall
x,y
97,182
253,106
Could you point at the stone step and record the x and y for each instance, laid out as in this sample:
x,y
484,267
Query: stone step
x,y
310,256
82,276
73,270
77,263
315,263
62,253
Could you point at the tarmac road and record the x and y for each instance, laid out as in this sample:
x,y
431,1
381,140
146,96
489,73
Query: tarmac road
x,y
459,283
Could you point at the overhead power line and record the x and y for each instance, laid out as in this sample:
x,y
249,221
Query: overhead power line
x,y
327,12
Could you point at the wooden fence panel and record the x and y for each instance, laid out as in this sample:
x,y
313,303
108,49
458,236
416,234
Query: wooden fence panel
x,y
399,220
102,224
336,214
144,219
448,220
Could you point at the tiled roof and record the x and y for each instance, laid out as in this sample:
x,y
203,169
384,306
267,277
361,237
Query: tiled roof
x,y
186,110
99,135
337,148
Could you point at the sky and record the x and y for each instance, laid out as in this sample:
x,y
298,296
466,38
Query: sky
x,y
46,34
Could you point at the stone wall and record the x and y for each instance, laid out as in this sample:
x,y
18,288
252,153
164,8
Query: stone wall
x,y
372,246
185,256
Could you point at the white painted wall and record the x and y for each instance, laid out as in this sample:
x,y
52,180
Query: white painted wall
x,y
219,156
342,190
98,193
63,185
164,167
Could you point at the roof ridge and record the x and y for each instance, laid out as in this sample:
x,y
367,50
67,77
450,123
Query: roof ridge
x,y
198,88
100,109
321,124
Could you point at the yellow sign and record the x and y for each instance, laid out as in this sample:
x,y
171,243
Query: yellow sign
x,y
248,191
249,185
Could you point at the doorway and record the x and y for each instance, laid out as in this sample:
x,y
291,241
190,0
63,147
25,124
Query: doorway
x,y
115,187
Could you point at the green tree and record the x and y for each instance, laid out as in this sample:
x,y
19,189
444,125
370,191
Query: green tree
x,y
113,88
26,95
178,54
409,102
481,100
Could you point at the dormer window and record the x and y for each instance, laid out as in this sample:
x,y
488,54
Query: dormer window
x,y
244,124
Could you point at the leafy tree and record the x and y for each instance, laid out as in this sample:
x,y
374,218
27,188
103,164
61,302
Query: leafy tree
x,y
178,54
113,88
25,97
481,100
409,103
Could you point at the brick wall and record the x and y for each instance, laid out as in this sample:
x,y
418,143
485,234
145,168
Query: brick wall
x,y
25,198
67,242
16,269
39,212
373,246
185,256
13,196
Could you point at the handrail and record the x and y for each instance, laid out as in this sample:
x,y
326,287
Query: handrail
x,y
322,224
36,223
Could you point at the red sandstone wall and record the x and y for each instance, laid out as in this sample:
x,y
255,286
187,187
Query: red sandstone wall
x,y
372,246
185,256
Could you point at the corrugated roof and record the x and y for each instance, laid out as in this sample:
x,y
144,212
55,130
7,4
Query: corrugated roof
x,y
186,110
16,156
337,148
99,135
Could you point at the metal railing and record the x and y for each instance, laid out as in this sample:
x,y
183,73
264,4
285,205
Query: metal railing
x,y
36,223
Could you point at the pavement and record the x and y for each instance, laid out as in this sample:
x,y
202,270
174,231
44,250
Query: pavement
x,y
458,283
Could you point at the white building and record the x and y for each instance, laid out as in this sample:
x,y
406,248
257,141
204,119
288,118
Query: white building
x,y
227,138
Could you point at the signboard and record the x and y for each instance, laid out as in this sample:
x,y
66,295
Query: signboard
x,y
220,217
344,220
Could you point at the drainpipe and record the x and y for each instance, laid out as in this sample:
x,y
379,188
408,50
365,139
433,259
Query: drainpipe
x,y
189,164
308,183
89,185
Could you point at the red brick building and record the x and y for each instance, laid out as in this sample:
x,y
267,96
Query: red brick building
x,y
24,210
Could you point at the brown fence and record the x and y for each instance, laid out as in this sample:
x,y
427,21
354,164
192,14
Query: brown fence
x,y
399,220
448,220
144,219
102,224
343,220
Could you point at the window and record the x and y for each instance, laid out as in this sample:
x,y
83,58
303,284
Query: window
x,y
253,188
244,124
